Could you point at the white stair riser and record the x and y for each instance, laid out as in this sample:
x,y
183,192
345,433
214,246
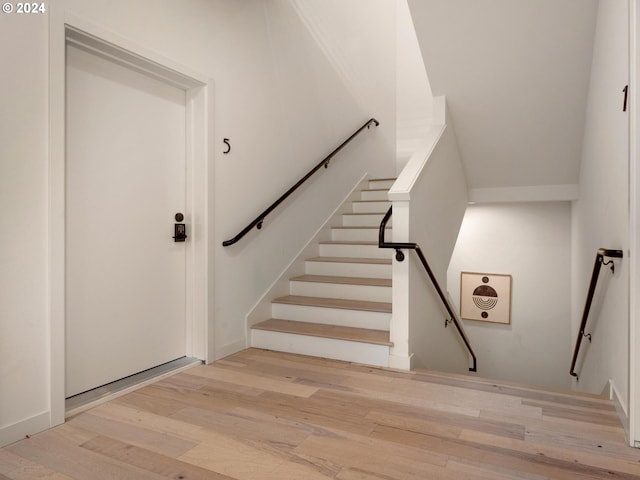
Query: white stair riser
x,y
366,270
350,250
374,195
376,184
370,207
321,347
334,290
363,220
331,316
357,234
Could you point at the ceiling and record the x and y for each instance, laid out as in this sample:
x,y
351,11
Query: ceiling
x,y
516,77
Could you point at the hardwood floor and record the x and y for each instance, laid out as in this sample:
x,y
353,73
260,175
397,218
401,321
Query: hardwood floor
x,y
266,415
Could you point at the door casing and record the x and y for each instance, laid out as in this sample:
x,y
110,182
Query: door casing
x,y
65,27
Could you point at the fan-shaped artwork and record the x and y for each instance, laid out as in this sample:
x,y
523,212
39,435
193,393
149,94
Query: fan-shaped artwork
x,y
485,297
485,303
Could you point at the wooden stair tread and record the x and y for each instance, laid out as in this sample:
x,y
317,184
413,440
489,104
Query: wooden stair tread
x,y
366,213
348,242
358,228
362,305
376,261
373,282
362,335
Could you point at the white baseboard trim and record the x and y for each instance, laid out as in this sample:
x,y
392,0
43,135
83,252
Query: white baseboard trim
x,y
400,362
621,408
30,426
230,349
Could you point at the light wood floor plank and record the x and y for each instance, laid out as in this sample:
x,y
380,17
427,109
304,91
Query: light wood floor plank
x,y
56,453
162,443
375,456
460,468
167,467
15,467
236,426
491,455
268,415
564,452
281,385
156,423
222,454
359,474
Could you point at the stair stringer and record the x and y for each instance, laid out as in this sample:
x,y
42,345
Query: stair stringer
x,y
280,287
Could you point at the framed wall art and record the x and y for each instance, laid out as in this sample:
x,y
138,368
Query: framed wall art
x,y
485,297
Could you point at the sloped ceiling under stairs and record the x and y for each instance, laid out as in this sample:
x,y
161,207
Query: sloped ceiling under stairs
x,y
516,77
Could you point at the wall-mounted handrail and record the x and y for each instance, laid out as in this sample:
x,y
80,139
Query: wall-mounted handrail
x,y
600,255
324,163
400,257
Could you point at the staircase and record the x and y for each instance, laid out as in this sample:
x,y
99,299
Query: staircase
x,y
341,307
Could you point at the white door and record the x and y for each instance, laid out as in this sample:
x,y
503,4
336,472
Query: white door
x,y
125,181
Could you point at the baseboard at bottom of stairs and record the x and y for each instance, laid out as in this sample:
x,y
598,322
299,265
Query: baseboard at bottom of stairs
x,y
400,362
24,428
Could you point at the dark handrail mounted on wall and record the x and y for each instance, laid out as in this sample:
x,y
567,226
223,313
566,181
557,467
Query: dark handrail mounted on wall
x,y
324,163
600,256
400,257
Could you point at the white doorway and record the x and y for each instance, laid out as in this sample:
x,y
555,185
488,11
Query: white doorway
x,y
162,302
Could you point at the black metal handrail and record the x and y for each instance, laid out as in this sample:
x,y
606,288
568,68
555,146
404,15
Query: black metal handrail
x,y
400,257
600,255
324,163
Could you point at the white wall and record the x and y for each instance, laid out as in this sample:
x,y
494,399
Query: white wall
x,y
601,213
276,97
360,41
531,242
24,353
414,100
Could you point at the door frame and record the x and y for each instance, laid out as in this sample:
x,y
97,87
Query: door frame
x,y
66,27
634,225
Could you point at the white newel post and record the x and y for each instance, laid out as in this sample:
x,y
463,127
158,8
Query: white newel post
x,y
400,356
